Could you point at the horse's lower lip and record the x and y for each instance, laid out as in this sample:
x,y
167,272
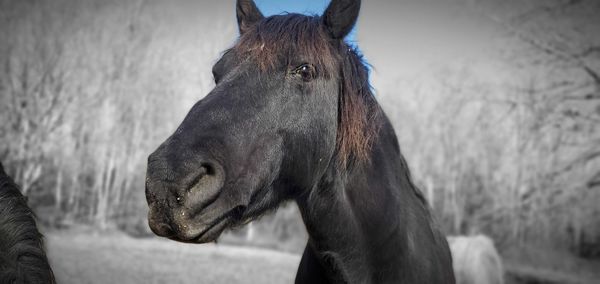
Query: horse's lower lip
x,y
213,232
208,234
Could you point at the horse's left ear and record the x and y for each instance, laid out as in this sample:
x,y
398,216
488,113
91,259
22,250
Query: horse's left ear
x,y
340,17
247,14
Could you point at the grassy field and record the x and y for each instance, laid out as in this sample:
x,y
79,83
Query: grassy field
x,y
87,258
531,265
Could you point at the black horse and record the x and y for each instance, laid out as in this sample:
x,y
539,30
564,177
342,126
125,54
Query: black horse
x,y
22,256
292,117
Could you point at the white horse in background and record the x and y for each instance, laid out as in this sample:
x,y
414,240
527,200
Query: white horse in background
x,y
475,260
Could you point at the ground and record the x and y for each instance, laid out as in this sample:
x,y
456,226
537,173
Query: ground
x,y
536,265
89,258
86,256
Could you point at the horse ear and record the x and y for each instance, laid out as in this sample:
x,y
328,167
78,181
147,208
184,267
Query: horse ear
x,y
340,17
247,14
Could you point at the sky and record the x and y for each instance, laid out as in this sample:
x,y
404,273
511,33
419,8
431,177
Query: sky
x,y
273,7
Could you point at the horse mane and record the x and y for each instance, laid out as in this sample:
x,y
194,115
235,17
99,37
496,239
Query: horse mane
x,y
22,256
358,110
277,38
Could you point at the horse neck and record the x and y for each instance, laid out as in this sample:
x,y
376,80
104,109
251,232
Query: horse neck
x,y
367,222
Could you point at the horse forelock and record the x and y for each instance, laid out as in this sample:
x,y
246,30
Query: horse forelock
x,y
277,39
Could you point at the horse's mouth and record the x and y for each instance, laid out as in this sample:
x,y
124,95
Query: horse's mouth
x,y
207,233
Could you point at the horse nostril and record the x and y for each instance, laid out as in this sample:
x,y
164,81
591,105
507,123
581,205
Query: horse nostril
x,y
205,170
204,184
208,169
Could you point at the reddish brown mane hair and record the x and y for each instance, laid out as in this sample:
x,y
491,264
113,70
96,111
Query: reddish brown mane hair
x,y
275,39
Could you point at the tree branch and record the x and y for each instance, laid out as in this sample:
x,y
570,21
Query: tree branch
x,y
592,73
550,50
594,181
586,97
528,15
581,160
589,51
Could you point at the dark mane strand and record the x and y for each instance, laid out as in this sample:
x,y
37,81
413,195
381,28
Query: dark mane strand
x,y
358,111
22,256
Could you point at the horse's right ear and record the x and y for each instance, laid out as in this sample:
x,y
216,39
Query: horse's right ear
x,y
340,16
247,14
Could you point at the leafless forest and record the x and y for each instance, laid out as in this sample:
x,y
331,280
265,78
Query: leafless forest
x,y
496,105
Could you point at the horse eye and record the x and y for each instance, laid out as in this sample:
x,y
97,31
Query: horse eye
x,y
305,71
